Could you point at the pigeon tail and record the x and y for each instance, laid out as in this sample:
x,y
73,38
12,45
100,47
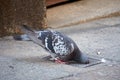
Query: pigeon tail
x,y
17,37
27,30
31,34
23,37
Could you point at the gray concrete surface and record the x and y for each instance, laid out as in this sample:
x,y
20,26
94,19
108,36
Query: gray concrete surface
x,y
81,11
24,60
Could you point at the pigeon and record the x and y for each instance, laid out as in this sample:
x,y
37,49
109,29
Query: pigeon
x,y
62,49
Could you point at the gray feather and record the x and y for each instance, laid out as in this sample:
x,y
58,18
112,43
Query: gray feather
x,y
31,34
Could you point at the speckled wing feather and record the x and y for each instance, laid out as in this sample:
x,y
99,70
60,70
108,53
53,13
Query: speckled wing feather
x,y
52,41
56,42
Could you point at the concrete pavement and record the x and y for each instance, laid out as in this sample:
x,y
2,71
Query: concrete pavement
x,y
81,11
24,60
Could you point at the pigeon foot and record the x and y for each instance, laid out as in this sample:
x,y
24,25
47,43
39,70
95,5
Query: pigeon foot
x,y
60,62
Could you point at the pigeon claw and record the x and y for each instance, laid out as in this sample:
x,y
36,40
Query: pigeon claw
x,y
60,61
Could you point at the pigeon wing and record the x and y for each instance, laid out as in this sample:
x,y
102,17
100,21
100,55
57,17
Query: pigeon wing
x,y
61,44
31,34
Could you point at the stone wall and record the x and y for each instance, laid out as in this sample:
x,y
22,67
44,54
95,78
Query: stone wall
x,y
18,12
